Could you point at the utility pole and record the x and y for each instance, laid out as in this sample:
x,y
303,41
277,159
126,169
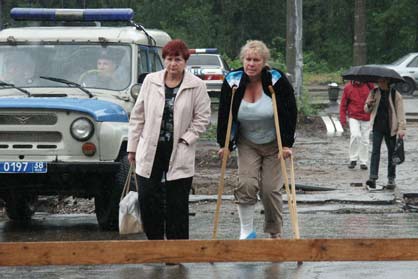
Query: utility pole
x,y
360,46
1,14
294,55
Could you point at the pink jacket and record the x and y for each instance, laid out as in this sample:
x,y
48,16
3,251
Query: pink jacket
x,y
353,100
191,118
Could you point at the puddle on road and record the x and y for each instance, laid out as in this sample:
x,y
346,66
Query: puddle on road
x,y
58,227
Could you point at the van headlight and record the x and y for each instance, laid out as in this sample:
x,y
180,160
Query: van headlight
x,y
82,129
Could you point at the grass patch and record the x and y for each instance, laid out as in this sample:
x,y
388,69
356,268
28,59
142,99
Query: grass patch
x,y
304,103
210,133
322,78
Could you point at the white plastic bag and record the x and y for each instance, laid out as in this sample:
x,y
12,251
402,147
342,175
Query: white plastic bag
x,y
129,214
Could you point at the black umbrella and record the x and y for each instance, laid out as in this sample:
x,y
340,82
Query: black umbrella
x,y
368,73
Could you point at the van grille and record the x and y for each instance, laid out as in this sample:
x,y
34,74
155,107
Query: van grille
x,y
28,119
38,137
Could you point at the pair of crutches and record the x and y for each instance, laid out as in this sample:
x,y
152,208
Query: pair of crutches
x,y
290,191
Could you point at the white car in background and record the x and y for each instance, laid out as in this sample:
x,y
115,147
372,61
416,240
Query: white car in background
x,y
207,64
407,67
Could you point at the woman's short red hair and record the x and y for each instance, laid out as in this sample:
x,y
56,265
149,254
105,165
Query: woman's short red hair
x,y
176,47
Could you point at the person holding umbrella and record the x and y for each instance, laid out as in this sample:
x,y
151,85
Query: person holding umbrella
x,y
387,121
254,134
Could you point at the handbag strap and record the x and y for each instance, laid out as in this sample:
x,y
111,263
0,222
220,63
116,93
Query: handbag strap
x,y
128,181
393,96
135,178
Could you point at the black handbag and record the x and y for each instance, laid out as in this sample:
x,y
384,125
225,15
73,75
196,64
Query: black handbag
x,y
398,156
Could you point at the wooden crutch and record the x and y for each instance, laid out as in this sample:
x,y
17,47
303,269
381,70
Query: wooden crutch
x,y
293,190
223,167
291,196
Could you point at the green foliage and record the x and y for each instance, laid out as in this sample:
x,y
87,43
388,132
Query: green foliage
x,y
328,34
234,63
304,103
210,133
391,30
312,63
328,26
322,78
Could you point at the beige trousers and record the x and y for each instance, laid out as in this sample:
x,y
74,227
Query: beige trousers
x,y
260,173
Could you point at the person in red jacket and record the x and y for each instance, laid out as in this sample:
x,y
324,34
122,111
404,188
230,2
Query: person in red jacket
x,y
352,108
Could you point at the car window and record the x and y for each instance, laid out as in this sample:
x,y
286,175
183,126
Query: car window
x,y
202,59
414,62
226,66
74,62
155,60
400,60
143,60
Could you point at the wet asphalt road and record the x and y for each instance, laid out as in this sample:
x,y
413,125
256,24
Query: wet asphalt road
x,y
323,270
386,221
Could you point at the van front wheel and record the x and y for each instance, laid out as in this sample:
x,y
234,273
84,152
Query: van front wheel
x,y
20,206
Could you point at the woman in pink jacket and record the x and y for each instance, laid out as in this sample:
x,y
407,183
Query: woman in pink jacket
x,y
172,110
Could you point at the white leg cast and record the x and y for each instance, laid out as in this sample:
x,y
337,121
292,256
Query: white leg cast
x,y
246,217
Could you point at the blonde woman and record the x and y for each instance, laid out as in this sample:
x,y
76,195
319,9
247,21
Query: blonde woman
x,y
254,136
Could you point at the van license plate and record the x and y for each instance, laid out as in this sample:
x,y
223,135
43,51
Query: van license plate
x,y
23,167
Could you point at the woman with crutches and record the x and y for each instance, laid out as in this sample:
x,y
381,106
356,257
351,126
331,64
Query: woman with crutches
x,y
254,135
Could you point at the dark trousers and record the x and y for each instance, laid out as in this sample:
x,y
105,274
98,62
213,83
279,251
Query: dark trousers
x,y
375,159
164,204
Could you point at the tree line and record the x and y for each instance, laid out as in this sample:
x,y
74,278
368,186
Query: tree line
x,y
328,26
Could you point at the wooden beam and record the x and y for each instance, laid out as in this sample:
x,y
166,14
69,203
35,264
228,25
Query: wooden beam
x,y
182,251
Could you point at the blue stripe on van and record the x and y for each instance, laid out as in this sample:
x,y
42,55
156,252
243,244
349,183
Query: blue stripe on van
x,y
101,111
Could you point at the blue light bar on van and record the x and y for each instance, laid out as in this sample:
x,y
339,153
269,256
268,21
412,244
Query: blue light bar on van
x,y
203,50
71,14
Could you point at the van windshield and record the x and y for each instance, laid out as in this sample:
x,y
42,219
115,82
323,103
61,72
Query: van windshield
x,y
90,65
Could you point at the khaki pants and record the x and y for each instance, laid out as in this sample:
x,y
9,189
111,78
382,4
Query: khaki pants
x,y
260,173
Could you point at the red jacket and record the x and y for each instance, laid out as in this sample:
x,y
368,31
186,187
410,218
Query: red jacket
x,y
353,100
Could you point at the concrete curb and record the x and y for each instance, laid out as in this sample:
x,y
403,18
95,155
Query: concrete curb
x,y
340,197
333,125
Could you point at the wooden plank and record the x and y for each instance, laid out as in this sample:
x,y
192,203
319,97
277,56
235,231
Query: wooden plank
x,y
182,251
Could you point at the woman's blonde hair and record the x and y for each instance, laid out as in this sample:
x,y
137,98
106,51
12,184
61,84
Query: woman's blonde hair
x,y
258,47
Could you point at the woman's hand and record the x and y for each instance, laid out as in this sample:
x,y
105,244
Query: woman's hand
x,y
222,152
401,134
131,157
287,152
183,141
371,101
